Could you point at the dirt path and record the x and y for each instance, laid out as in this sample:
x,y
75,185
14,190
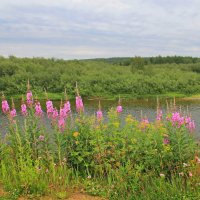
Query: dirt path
x,y
2,192
75,196
79,196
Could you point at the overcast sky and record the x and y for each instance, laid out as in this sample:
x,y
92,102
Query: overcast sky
x,y
99,28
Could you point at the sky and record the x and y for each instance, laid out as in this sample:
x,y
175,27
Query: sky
x,y
78,29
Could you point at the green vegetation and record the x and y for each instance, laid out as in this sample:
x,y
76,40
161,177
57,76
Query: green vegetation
x,y
129,77
137,160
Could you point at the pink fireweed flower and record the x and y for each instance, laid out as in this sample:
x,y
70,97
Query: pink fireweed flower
x,y
63,113
41,138
191,126
67,107
166,141
38,109
190,174
24,109
49,106
188,120
181,121
29,98
145,120
119,109
55,114
99,115
5,106
144,123
79,104
13,113
159,115
61,123
175,118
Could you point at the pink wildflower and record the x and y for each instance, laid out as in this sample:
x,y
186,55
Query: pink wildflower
x,y
41,138
190,174
61,123
29,98
63,113
191,126
49,106
54,114
119,109
23,109
181,121
38,109
99,115
79,104
145,121
13,113
67,107
187,120
166,141
5,106
175,118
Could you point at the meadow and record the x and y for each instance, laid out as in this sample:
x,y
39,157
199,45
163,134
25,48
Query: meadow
x,y
106,158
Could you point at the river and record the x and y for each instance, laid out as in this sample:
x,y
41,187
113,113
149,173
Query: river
x,y
146,107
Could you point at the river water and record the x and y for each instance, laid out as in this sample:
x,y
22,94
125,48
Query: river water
x,y
144,107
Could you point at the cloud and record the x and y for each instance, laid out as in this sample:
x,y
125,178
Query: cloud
x,y
100,28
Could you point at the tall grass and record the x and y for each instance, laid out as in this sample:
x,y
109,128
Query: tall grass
x,y
112,159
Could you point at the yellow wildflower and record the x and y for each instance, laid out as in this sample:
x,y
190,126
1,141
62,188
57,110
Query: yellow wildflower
x,y
129,119
77,142
76,134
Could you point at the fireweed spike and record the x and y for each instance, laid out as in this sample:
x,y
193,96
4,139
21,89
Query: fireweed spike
x,y
23,107
99,113
79,101
49,106
29,95
119,107
13,112
67,105
5,105
38,109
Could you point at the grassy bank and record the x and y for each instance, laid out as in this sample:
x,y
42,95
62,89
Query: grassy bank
x,y
59,96
135,160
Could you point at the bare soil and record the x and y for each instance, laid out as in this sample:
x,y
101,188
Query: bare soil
x,y
73,196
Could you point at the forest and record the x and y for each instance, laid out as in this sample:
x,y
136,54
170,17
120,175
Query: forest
x,y
132,77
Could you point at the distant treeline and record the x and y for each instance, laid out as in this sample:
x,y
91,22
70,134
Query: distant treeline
x,y
152,60
102,77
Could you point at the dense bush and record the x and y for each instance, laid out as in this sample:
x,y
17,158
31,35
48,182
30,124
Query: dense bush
x,y
101,77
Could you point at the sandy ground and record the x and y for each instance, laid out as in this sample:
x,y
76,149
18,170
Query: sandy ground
x,y
73,196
